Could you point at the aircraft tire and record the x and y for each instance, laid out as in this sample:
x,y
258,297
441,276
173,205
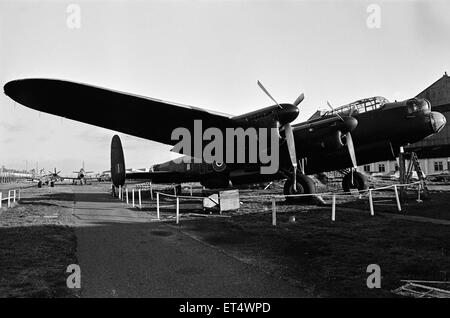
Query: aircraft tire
x,y
39,184
52,184
305,185
360,182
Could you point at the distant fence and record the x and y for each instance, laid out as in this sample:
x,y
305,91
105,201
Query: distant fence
x,y
134,197
13,196
7,177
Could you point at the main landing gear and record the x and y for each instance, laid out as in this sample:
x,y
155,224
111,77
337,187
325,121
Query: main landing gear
x,y
305,185
355,180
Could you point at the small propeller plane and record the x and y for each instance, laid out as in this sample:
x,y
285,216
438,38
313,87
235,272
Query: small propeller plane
x,y
362,132
82,176
48,179
54,176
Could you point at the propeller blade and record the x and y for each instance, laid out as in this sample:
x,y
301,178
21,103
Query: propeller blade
x,y
351,149
352,110
299,99
291,147
329,105
268,94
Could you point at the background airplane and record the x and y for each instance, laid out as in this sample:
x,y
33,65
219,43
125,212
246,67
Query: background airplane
x,y
362,132
47,179
82,176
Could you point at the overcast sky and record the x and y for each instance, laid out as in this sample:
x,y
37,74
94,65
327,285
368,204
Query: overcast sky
x,y
208,54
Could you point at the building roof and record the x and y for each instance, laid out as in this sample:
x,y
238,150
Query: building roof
x,y
438,93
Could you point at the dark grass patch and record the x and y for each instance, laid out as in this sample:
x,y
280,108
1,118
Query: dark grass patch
x,y
330,259
436,206
34,260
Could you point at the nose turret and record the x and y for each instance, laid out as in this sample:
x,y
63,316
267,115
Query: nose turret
x,y
438,121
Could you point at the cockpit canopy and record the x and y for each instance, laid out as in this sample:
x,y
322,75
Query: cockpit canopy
x,y
358,107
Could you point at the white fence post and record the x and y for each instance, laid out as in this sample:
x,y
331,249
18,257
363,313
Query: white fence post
x,y
333,208
151,191
120,192
157,205
9,198
418,192
18,192
178,210
126,193
132,196
371,202
14,197
274,212
140,201
399,207
1,198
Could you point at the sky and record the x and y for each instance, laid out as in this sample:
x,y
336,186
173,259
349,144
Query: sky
x,y
208,54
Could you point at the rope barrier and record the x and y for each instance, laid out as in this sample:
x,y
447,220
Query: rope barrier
x,y
326,194
273,197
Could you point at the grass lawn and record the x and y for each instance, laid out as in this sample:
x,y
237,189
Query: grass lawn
x,y
36,246
330,259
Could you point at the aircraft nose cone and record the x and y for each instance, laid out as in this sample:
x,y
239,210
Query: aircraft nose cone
x,y
438,121
287,114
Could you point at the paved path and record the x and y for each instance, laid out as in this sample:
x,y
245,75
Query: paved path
x,y
123,254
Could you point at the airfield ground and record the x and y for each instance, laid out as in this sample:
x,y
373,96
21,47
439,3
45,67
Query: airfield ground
x,y
126,252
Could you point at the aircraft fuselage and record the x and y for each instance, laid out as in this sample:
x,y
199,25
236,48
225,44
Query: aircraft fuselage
x,y
320,144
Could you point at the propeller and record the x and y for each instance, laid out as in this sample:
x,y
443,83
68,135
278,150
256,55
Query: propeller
x,y
299,99
268,94
289,135
348,139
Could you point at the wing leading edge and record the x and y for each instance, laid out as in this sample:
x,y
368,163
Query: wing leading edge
x,y
135,115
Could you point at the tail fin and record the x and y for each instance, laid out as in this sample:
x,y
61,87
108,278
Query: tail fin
x,y
117,162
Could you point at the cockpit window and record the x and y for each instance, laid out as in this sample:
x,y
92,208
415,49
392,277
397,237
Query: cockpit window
x,y
415,105
360,106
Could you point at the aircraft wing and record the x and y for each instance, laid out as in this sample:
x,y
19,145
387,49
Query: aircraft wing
x,y
135,115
